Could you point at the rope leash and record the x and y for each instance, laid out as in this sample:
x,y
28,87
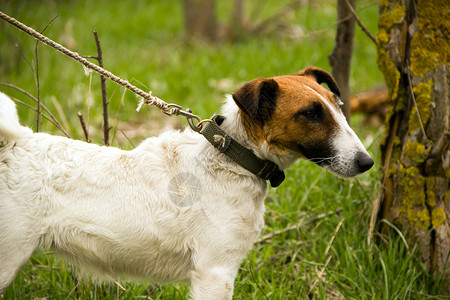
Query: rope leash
x,y
209,128
147,98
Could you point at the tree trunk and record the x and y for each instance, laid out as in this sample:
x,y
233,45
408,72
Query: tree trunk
x,y
341,57
413,49
200,19
237,20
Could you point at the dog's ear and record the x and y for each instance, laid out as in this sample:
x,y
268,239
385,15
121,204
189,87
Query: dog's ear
x,y
321,76
257,99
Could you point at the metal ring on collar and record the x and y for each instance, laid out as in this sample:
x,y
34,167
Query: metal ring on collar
x,y
200,123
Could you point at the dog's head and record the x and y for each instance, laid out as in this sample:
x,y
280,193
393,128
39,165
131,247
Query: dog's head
x,y
294,114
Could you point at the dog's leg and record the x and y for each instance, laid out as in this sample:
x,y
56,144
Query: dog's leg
x,y
16,247
10,265
214,283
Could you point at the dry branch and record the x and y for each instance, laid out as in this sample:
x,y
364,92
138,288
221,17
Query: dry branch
x,y
99,57
36,79
83,125
32,108
358,20
53,120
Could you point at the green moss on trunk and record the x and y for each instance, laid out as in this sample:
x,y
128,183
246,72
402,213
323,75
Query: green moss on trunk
x,y
430,45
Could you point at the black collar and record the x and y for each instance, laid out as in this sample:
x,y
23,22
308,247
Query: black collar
x,y
245,157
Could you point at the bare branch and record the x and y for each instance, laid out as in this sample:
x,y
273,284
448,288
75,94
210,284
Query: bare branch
x,y
358,20
53,121
105,102
36,79
128,139
49,119
83,125
19,89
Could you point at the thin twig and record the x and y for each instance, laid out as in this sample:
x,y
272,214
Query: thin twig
x,y
54,122
151,291
18,89
83,125
36,79
257,284
358,20
24,57
105,102
126,137
46,117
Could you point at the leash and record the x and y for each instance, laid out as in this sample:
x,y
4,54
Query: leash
x,y
209,128
147,98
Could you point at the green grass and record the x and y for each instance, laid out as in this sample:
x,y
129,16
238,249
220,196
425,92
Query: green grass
x,y
328,256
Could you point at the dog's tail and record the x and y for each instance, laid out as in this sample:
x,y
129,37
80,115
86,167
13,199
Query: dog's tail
x,y
10,128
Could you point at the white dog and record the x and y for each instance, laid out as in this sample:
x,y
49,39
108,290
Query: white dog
x,y
178,207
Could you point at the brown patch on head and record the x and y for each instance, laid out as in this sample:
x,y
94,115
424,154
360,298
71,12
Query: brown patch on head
x,y
296,117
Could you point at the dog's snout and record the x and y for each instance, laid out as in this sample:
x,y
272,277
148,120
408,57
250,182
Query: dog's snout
x,y
365,162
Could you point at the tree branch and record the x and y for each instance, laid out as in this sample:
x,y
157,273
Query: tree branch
x,y
53,121
364,28
36,79
83,125
49,119
105,102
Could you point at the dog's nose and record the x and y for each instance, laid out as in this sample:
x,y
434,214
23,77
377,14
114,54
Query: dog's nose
x,y
365,162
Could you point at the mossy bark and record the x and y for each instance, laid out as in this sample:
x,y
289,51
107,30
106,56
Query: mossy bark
x,y
413,48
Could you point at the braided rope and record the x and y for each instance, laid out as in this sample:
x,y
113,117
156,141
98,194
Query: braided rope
x,y
147,97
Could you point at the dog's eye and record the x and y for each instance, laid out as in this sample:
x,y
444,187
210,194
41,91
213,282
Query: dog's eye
x,y
312,114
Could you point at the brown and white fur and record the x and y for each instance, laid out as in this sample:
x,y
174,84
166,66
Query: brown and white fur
x,y
113,212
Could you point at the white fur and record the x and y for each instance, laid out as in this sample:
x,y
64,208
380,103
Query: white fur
x,y
114,212
9,122
172,209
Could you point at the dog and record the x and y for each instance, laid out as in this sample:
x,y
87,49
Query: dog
x,y
175,208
